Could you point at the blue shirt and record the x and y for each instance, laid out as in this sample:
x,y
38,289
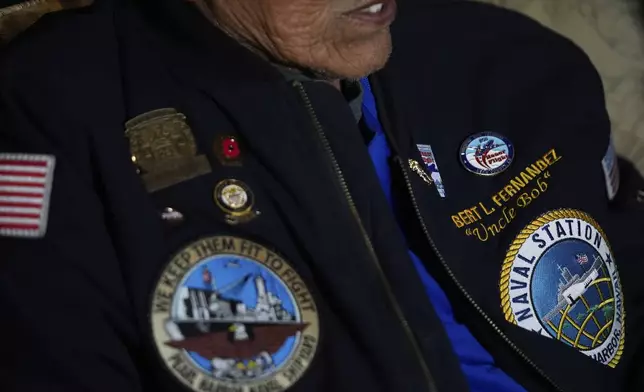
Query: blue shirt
x,y
477,364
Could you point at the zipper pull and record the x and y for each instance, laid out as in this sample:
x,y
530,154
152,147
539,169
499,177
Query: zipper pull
x,y
418,169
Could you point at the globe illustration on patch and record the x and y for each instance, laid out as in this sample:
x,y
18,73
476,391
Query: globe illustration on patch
x,y
581,313
560,280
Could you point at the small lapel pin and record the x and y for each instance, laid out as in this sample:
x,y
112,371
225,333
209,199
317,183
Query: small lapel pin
x,y
236,200
418,169
228,151
487,153
171,215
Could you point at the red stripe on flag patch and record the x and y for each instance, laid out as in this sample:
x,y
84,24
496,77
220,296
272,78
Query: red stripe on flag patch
x,y
19,215
20,194
20,205
19,227
10,173
17,162
25,187
23,184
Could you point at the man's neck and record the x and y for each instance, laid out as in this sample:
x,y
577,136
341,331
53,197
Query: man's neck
x,y
204,6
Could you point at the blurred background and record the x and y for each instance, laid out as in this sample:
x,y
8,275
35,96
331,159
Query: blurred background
x,y
611,32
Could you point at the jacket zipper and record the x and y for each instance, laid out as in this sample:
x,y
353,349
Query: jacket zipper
x,y
431,385
459,285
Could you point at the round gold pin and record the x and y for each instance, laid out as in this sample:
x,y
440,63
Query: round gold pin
x,y
236,199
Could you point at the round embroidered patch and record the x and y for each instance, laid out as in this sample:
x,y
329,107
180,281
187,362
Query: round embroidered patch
x,y
486,154
559,279
229,314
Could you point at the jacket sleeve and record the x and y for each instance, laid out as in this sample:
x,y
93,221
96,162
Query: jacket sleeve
x,y
614,195
616,200
67,324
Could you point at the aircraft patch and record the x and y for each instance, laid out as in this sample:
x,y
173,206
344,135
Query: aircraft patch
x,y
486,153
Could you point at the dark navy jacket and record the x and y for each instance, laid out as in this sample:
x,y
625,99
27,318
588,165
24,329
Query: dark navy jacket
x,y
83,303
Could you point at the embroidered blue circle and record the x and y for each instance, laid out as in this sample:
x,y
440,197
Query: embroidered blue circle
x,y
560,280
229,314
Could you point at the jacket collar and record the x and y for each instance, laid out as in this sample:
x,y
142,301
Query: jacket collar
x,y
199,53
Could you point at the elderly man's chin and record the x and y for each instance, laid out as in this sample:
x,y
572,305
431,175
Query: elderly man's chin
x,y
351,60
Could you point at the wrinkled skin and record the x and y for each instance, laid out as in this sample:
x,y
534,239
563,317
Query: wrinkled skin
x,y
309,34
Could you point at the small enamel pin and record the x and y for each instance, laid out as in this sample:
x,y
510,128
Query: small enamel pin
x,y
171,215
236,200
228,151
486,154
418,169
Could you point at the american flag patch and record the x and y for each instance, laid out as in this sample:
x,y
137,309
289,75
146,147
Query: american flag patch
x,y
582,258
430,161
25,186
611,171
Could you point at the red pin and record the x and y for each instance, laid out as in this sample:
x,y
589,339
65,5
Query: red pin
x,y
230,148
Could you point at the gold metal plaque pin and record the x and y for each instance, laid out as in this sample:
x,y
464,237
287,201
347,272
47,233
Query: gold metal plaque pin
x,y
164,149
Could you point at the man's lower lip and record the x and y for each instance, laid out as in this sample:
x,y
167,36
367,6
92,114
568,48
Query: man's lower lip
x,y
384,17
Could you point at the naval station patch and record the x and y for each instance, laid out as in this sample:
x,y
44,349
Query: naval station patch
x,y
230,315
559,279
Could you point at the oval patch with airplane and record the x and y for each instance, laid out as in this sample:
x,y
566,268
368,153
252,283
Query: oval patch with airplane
x,y
229,314
487,153
559,279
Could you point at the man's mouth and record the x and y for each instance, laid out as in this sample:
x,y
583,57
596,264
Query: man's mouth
x,y
373,9
380,12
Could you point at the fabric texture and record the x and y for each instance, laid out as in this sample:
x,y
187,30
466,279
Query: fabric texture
x,y
312,178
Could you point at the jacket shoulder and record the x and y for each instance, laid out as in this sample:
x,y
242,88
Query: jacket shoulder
x,y
62,75
468,25
485,59
60,85
63,54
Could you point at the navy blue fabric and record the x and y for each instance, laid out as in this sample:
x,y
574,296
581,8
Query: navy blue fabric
x,y
477,364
